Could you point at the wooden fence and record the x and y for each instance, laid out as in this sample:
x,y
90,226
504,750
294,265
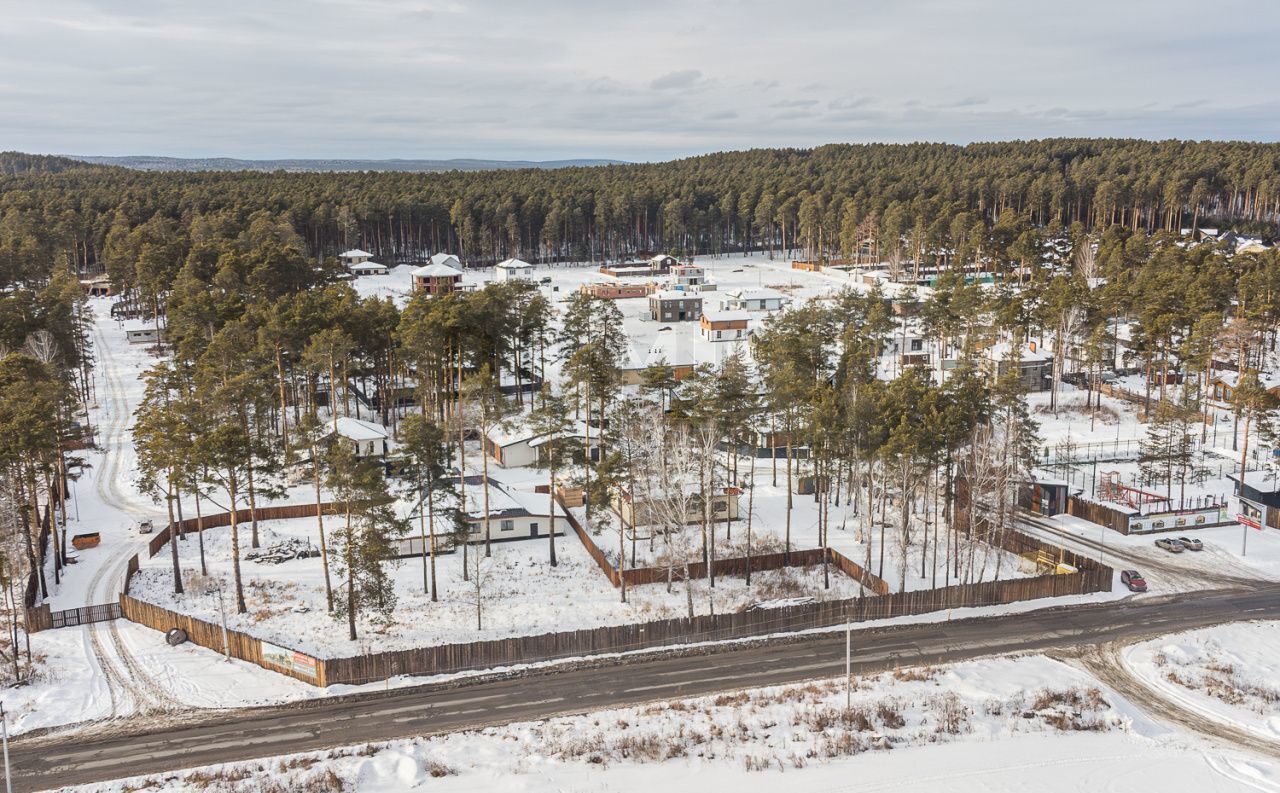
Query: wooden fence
x,y
730,566
705,628
38,618
1101,514
284,660
243,516
1090,577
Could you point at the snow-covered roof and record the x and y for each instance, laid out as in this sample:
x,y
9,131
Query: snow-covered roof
x,y
436,270
513,264
360,430
355,253
726,316
446,259
1267,379
505,501
754,293
674,294
1263,481
369,266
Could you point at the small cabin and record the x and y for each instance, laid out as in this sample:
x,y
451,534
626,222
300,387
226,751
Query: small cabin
x,y
144,334
512,270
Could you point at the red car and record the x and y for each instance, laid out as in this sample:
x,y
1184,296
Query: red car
x,y
1134,580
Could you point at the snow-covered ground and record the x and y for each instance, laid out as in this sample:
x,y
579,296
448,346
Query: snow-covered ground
x,y
523,594
1166,572
993,725
1229,673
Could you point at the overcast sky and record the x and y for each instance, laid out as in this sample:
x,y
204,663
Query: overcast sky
x,y
544,79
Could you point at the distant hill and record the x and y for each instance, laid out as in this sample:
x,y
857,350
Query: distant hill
x,y
151,163
16,162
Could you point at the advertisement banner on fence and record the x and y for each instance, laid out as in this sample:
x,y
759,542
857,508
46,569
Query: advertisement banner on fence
x,y
292,660
1177,519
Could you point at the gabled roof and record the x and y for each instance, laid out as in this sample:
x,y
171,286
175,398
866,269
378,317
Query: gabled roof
x,y
359,430
355,253
369,265
436,270
512,264
446,259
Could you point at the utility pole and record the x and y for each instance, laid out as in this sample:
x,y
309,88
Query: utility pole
x,y
4,731
848,672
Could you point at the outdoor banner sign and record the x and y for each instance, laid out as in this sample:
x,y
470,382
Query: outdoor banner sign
x,y
292,660
1177,519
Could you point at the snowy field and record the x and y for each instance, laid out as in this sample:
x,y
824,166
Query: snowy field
x,y
1229,673
522,594
995,725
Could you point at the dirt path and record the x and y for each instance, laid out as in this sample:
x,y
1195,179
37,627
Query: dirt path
x,y
132,689
1104,662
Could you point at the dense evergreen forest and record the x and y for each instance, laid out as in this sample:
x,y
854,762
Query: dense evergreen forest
x,y
825,201
266,343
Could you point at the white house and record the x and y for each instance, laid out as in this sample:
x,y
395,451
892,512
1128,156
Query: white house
x,y
512,270
362,269
364,438
354,256
756,298
513,515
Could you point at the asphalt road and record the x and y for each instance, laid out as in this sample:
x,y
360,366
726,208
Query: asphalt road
x,y
127,749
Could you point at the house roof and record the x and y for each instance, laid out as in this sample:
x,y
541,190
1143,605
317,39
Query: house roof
x,y
512,264
726,316
1265,481
1267,379
446,258
436,270
355,253
370,265
672,294
360,430
754,293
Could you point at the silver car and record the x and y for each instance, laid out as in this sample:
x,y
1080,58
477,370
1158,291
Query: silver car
x,y
1191,543
1172,546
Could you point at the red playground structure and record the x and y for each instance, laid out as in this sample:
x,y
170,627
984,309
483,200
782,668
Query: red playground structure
x,y
1110,488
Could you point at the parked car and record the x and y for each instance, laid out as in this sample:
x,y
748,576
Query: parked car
x,y
1172,546
1134,580
1191,543
145,527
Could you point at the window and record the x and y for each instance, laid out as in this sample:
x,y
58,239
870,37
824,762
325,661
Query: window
x,y
720,506
917,345
474,529
508,525
719,334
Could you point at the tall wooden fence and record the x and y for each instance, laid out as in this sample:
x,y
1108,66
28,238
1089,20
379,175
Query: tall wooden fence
x,y
1102,514
705,628
1090,577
